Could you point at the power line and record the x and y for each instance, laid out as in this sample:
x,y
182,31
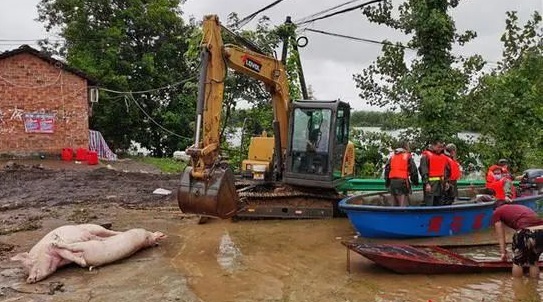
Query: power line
x,y
371,41
324,11
355,38
131,97
340,12
250,17
169,86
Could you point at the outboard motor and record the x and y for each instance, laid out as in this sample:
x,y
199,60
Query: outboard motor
x,y
531,182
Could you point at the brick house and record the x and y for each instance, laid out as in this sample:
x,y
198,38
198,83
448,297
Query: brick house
x,y
44,104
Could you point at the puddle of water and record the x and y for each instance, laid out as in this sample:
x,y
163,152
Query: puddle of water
x,y
229,255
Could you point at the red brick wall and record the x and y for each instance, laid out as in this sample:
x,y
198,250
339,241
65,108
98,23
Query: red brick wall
x,y
29,84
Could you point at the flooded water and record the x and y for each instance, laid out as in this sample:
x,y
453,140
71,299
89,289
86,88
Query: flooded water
x,y
229,255
305,261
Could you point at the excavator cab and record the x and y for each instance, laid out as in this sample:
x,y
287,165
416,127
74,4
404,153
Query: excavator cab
x,y
309,149
318,140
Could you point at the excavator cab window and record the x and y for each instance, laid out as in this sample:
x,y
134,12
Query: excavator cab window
x,y
342,138
310,140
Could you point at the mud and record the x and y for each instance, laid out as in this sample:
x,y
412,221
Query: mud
x,y
268,260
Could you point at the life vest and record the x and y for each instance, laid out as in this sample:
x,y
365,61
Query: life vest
x,y
490,173
436,163
455,169
498,187
399,165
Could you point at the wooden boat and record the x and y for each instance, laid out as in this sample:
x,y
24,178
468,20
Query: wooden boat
x,y
373,216
425,259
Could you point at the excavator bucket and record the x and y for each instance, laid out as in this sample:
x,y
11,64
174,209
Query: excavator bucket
x,y
215,196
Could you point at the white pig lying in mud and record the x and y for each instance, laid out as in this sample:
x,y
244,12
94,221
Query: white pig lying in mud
x,y
94,253
44,259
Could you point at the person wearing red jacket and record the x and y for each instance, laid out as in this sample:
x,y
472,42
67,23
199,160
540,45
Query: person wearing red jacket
x,y
456,172
435,172
400,172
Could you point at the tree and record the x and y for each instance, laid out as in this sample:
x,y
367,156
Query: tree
x,y
134,45
427,90
509,99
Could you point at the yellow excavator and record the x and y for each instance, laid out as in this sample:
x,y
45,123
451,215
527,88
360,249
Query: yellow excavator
x,y
292,174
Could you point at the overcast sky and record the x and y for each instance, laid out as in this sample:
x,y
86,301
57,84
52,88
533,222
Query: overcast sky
x,y
328,62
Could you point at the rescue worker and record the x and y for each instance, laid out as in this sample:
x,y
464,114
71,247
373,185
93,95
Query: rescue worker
x,y
400,173
435,171
527,243
452,193
501,185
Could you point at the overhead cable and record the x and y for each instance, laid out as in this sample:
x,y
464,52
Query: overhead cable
x,y
371,41
131,97
324,11
355,38
250,17
340,12
150,90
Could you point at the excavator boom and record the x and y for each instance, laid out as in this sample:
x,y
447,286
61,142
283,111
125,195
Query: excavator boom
x,y
290,175
207,186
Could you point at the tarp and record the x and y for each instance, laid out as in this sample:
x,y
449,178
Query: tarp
x,y
98,144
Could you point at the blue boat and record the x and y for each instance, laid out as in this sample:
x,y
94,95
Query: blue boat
x,y
373,217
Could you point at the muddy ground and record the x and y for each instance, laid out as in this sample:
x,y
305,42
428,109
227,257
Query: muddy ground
x,y
269,260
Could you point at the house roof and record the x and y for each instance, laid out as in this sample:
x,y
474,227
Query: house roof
x,y
46,57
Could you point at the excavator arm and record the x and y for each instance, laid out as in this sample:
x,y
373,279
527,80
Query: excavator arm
x,y
207,186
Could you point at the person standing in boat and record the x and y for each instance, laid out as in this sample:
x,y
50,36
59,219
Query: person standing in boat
x,y
452,193
435,172
400,173
527,243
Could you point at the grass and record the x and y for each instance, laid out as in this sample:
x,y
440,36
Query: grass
x,y
166,165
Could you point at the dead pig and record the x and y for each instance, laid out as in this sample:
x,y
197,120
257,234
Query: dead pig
x,y
43,259
94,253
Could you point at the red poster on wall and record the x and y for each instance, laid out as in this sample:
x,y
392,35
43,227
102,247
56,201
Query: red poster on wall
x,y
39,122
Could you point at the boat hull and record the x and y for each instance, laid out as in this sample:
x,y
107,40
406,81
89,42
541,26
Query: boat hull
x,y
381,221
420,259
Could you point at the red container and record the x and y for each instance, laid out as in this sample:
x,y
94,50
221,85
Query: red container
x,y
67,154
92,158
81,154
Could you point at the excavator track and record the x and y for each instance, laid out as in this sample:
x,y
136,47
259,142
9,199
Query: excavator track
x,y
276,200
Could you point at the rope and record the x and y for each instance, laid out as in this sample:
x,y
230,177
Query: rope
x,y
32,87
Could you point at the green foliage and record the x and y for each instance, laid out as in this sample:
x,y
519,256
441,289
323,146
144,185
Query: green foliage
x,y
166,165
386,120
509,99
371,151
426,91
129,46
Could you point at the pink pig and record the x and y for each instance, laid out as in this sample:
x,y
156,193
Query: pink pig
x,y
43,259
94,253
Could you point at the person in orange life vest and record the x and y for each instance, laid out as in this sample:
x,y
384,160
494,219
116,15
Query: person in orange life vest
x,y
501,185
400,172
527,242
456,173
502,164
435,172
